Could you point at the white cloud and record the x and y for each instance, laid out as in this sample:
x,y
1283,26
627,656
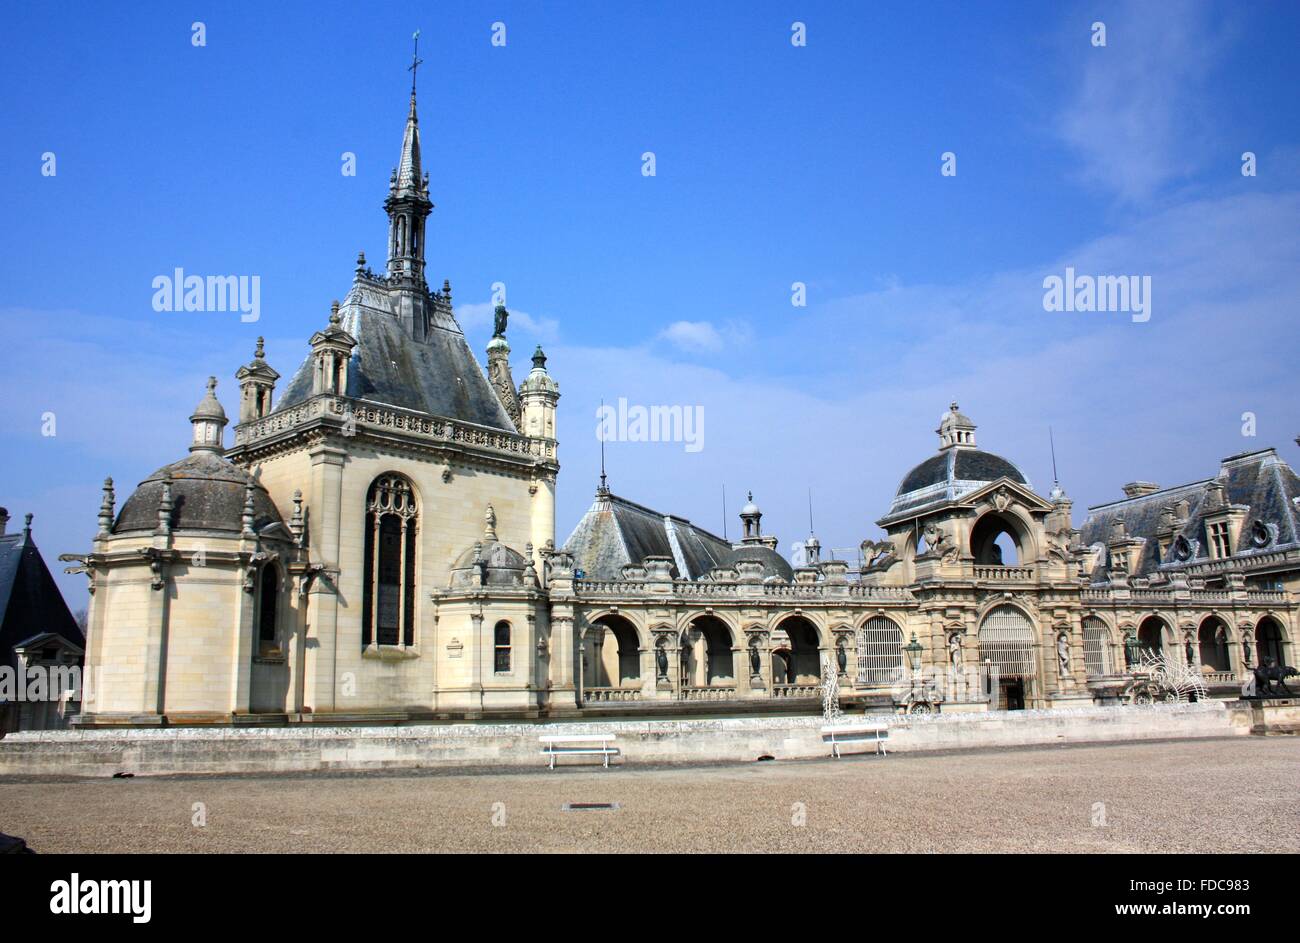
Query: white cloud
x,y
698,337
1141,100
479,316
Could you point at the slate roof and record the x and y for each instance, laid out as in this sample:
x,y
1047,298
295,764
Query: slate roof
x,y
946,477
616,531
207,494
1260,480
438,375
30,601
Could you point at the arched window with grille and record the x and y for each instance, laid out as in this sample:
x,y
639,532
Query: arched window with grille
x,y
1007,640
392,519
880,651
1096,647
501,647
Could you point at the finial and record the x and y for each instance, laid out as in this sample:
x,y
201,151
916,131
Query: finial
x,y
749,496
361,261
27,526
212,386
446,287
248,509
334,312
296,521
106,509
165,506
953,406
539,359
490,523
260,352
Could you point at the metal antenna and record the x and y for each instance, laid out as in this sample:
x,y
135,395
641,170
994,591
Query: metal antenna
x,y
810,523
724,512
1051,439
602,448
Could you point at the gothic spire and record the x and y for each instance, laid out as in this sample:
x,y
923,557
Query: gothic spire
x,y
408,198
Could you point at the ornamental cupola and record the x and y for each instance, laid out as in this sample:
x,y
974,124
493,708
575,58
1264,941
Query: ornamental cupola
x,y
538,396
256,384
331,352
209,421
955,430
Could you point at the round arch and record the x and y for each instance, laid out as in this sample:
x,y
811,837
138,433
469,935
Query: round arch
x,y
1212,640
988,549
1271,640
1153,634
803,664
1098,646
707,651
613,645
880,650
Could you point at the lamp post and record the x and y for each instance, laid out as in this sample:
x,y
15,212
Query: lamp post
x,y
914,650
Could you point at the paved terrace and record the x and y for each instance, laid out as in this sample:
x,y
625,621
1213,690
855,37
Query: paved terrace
x,y
1221,795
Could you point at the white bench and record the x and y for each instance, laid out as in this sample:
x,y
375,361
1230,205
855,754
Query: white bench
x,y
856,733
575,745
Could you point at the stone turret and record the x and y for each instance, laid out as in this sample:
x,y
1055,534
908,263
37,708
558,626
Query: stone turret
x,y
256,384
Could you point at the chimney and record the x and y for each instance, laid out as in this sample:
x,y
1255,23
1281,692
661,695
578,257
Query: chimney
x,y
4,521
1136,489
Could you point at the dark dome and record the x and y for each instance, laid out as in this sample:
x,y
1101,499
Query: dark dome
x,y
773,563
970,465
207,494
504,566
949,475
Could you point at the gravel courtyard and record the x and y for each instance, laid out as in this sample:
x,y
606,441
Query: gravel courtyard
x,y
1230,795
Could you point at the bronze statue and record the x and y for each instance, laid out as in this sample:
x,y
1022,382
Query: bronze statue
x,y
502,315
1270,680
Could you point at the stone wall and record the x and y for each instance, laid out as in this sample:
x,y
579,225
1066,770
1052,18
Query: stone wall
x,y
307,748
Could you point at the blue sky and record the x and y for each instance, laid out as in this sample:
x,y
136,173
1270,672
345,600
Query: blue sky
x,y
775,164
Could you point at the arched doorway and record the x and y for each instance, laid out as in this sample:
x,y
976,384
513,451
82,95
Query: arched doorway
x,y
804,658
1212,642
707,659
1268,642
1007,643
613,653
995,541
1150,637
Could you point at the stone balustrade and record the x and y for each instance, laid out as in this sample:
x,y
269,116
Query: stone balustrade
x,y
382,418
599,695
1005,574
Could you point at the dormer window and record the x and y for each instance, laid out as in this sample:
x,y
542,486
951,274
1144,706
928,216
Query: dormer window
x,y
1220,540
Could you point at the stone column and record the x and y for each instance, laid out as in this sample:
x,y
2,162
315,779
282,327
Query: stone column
x,y
321,656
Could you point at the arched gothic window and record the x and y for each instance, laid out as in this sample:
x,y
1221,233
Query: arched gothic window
x,y
392,518
501,647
